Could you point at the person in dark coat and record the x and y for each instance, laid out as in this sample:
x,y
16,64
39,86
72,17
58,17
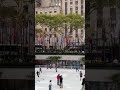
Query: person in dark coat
x,y
83,83
40,70
56,67
37,73
47,66
81,75
76,69
61,81
81,65
50,85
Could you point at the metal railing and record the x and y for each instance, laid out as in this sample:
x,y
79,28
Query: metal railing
x,y
62,67
67,50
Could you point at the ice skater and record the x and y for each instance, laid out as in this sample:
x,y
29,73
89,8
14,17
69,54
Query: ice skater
x,y
83,83
61,81
81,65
56,68
50,85
50,66
37,73
77,69
58,79
47,66
81,75
40,70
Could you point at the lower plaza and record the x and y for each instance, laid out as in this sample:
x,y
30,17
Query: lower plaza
x,y
71,79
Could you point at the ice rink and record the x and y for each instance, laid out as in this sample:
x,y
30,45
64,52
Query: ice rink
x,y
71,79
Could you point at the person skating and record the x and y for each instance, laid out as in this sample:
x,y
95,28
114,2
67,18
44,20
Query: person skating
x,y
47,66
37,73
58,79
81,66
61,81
50,66
76,69
40,70
50,85
81,75
83,83
56,68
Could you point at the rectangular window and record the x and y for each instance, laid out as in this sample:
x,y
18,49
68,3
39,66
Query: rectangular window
x,y
71,10
81,12
71,3
81,6
76,8
40,12
55,11
76,12
81,1
65,7
55,35
45,12
50,11
76,2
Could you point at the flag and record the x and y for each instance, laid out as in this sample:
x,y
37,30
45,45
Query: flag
x,y
66,40
62,41
72,40
42,41
78,41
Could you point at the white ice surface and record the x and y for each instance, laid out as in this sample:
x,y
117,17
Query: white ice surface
x,y
71,79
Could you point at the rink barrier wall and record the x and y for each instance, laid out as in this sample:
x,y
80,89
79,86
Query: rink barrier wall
x,y
64,67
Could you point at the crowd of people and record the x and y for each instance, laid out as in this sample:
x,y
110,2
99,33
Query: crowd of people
x,y
60,79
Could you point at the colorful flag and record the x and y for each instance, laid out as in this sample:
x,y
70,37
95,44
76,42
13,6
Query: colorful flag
x,y
66,40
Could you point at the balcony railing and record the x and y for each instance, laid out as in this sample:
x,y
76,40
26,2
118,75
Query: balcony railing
x,y
79,50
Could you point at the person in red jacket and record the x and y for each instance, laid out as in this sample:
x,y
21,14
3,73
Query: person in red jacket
x,y
58,79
